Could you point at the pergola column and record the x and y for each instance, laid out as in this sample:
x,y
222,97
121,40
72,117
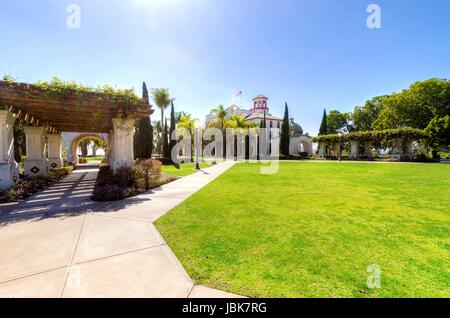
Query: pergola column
x,y
322,149
121,139
397,149
354,151
409,148
368,149
55,160
337,150
36,163
9,173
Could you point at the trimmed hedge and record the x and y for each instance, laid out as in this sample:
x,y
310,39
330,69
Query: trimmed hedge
x,y
375,136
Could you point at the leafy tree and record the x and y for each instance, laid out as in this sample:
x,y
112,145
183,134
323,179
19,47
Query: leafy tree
x,y
97,143
363,118
416,106
84,148
285,133
162,100
143,138
338,122
324,125
438,131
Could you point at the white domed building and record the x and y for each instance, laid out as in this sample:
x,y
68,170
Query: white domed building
x,y
300,144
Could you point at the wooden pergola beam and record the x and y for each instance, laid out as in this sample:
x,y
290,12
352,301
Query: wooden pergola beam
x,y
90,112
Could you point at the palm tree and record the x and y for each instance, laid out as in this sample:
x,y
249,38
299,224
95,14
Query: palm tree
x,y
179,116
187,122
221,115
162,100
238,122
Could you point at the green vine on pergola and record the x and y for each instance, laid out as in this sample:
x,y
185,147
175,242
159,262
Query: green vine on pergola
x,y
374,136
59,90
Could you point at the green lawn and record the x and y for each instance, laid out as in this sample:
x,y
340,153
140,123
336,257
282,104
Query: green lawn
x,y
94,158
313,229
185,169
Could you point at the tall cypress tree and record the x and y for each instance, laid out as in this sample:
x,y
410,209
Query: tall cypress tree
x,y
173,123
324,125
285,133
166,149
143,138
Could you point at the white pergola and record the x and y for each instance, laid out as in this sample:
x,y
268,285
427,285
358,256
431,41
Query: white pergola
x,y
45,119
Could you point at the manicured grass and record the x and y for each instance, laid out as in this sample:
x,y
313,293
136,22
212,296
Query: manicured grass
x,y
185,169
94,158
313,229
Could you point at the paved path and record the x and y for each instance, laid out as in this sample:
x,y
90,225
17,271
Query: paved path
x,y
69,246
70,196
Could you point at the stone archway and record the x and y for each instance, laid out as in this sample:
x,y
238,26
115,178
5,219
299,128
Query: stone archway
x,y
73,140
302,144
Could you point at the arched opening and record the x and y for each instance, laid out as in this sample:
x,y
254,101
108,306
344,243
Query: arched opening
x,y
90,148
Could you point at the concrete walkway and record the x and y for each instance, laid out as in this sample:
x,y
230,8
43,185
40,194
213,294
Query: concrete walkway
x,y
78,248
70,196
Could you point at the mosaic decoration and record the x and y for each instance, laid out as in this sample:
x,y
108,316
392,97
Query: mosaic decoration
x,y
35,170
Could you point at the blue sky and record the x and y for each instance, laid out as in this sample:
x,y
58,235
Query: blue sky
x,y
310,53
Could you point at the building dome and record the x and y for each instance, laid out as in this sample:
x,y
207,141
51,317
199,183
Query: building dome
x,y
296,129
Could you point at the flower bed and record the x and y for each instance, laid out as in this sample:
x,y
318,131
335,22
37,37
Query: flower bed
x,y
30,186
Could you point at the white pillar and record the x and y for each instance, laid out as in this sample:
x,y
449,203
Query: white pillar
x,y
55,160
36,163
354,153
111,148
9,173
409,149
368,149
337,150
121,139
397,149
322,149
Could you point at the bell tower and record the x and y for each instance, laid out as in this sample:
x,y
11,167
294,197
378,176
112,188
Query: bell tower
x,y
260,104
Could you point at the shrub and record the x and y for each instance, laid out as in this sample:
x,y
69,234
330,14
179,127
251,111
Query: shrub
x,y
375,136
150,170
126,176
128,181
110,192
105,176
